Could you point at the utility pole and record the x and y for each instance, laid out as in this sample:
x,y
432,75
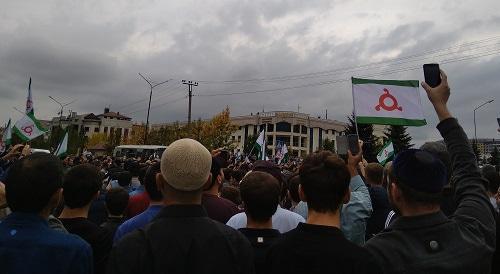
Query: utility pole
x,y
326,114
190,95
151,85
62,108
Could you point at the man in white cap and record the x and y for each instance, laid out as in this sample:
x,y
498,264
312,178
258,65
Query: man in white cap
x,y
182,239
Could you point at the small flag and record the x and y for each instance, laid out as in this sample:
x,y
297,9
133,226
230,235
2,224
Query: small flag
x,y
387,102
62,148
260,146
29,101
386,153
284,154
28,128
6,137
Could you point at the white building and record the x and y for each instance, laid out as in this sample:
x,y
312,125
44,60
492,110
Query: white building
x,y
90,123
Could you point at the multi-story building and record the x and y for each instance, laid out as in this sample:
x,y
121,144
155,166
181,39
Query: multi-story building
x,y
486,146
301,132
90,123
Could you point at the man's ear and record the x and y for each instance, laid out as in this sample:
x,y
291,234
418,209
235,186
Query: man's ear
x,y
55,199
160,182
395,192
347,196
302,195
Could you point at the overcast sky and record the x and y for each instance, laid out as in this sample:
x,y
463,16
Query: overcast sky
x,y
92,51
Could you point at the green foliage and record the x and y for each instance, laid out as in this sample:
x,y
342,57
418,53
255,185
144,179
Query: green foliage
x,y
401,140
328,145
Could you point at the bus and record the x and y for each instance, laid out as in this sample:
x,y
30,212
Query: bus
x,y
143,151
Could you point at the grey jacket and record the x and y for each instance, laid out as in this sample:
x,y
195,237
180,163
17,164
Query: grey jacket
x,y
433,243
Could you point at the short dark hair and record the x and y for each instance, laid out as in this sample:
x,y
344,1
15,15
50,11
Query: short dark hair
x,y
150,182
124,178
260,192
374,173
293,187
324,178
439,150
412,196
31,182
81,183
231,193
116,200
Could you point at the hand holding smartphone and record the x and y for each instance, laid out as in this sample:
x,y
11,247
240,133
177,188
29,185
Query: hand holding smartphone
x,y
432,75
353,143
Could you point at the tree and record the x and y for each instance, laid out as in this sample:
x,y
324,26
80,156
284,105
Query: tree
x,y
495,157
114,139
217,132
97,139
401,140
328,145
365,132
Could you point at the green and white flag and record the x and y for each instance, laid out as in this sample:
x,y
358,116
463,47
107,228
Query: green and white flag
x,y
28,128
386,153
284,154
62,148
387,102
29,101
6,137
260,146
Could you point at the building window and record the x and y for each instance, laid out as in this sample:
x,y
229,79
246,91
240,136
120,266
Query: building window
x,y
304,130
239,139
96,129
106,130
283,127
283,140
295,141
296,128
303,141
233,138
254,130
270,140
125,134
270,127
87,129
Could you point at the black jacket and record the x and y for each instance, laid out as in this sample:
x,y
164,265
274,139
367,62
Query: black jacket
x,y
433,243
182,239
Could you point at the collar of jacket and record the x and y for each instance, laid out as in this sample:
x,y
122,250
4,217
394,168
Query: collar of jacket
x,y
182,211
418,222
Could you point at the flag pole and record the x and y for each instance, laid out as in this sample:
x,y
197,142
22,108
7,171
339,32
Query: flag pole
x,y
354,108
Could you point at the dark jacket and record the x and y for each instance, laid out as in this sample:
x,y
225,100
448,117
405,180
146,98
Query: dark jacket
x,y
319,249
381,208
182,239
433,243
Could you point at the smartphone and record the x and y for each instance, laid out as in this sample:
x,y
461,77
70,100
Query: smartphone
x,y
353,143
341,144
432,75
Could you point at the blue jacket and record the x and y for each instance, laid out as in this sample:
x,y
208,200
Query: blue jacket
x,y
28,245
355,214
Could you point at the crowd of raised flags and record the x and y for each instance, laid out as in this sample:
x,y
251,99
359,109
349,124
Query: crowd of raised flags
x,y
385,102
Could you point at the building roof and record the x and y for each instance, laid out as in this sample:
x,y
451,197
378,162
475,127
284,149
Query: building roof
x,y
114,115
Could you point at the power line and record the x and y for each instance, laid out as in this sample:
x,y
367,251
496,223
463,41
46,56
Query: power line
x,y
463,58
160,105
142,100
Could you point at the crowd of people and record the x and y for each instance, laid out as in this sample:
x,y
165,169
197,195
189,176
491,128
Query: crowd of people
x,y
430,210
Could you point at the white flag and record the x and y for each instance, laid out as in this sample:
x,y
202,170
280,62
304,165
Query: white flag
x,y
28,128
387,102
260,146
386,153
284,154
29,101
62,149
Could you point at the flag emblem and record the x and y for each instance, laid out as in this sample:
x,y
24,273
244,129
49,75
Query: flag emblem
x,y
381,102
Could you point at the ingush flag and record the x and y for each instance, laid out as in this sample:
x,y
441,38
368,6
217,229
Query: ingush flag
x,y
28,128
387,102
29,101
62,148
260,146
386,153
284,154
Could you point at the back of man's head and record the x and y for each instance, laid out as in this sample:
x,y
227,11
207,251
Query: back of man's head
x,y
116,201
324,179
293,187
124,178
420,176
32,181
374,173
493,179
185,165
260,194
150,183
81,184
439,150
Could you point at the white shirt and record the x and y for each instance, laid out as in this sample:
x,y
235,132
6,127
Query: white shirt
x,y
283,220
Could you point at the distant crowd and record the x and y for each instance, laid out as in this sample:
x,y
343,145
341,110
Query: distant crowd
x,y
430,210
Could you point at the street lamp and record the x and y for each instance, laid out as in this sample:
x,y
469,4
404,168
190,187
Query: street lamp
x,y
151,85
62,107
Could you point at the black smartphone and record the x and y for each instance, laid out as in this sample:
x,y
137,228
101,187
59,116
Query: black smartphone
x,y
432,75
353,143
341,144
